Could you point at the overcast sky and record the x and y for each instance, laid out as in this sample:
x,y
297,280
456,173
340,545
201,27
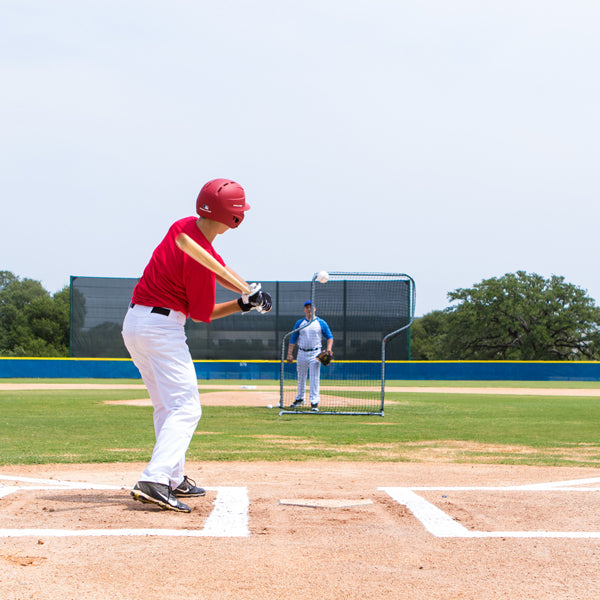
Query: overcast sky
x,y
450,140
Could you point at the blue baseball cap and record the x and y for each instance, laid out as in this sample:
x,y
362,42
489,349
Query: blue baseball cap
x,y
307,303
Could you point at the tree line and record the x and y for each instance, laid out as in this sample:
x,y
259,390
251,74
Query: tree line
x,y
519,316
33,322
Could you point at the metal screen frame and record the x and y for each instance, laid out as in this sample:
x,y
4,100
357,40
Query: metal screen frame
x,y
386,338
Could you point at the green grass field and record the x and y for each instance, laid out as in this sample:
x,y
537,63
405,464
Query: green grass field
x,y
76,426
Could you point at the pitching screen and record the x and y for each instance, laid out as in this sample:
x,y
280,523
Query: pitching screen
x,y
369,315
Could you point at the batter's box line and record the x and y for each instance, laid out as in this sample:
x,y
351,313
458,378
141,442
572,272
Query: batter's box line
x,y
441,524
228,518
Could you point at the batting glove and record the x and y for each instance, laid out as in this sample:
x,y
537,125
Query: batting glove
x,y
246,301
266,304
251,295
260,301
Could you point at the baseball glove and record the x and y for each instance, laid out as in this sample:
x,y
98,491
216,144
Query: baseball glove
x,y
324,357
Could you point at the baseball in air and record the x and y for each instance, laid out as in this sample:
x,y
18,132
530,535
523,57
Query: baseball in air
x,y
323,276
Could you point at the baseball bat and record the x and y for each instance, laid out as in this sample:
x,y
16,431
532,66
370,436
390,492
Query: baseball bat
x,y
199,254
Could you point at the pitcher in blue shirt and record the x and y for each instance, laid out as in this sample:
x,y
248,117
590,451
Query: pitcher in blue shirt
x,y
308,336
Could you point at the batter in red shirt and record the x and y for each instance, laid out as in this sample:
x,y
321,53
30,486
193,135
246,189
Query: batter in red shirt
x,y
172,288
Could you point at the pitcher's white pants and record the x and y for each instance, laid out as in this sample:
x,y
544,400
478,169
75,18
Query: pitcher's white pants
x,y
158,348
307,364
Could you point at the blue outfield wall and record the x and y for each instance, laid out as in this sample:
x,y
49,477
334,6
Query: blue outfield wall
x,y
67,368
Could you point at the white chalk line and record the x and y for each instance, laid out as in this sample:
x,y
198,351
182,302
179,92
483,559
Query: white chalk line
x,y
441,524
230,514
228,518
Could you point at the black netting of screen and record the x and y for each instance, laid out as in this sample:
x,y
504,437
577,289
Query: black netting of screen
x,y
362,310
99,304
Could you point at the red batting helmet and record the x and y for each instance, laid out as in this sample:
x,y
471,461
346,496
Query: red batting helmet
x,y
222,200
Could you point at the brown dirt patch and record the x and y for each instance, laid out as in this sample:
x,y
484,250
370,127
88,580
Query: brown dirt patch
x,y
462,451
229,398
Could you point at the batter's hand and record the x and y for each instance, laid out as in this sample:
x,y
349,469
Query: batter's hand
x,y
254,290
265,302
260,301
245,301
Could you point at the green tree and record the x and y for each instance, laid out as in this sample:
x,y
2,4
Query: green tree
x,y
427,336
32,322
6,277
521,316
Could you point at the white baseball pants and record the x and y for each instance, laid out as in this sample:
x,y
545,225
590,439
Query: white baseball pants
x,y
307,364
158,348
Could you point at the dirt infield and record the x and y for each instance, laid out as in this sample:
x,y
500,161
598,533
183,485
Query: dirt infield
x,y
250,390
297,530
357,543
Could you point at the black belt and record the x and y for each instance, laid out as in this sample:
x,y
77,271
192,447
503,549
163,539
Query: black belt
x,y
308,349
158,309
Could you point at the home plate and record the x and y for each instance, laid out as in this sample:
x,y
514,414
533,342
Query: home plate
x,y
325,503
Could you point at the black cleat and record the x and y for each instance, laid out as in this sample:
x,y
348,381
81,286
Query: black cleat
x,y
297,403
159,494
188,489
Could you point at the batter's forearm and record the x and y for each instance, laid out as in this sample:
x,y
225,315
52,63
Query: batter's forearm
x,y
225,309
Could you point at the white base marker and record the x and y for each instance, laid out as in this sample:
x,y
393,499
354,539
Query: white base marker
x,y
441,524
325,503
228,518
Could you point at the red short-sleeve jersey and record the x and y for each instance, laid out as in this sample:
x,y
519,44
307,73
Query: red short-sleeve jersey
x,y
174,280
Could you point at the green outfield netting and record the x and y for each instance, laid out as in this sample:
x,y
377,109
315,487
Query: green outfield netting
x,y
369,315
99,304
